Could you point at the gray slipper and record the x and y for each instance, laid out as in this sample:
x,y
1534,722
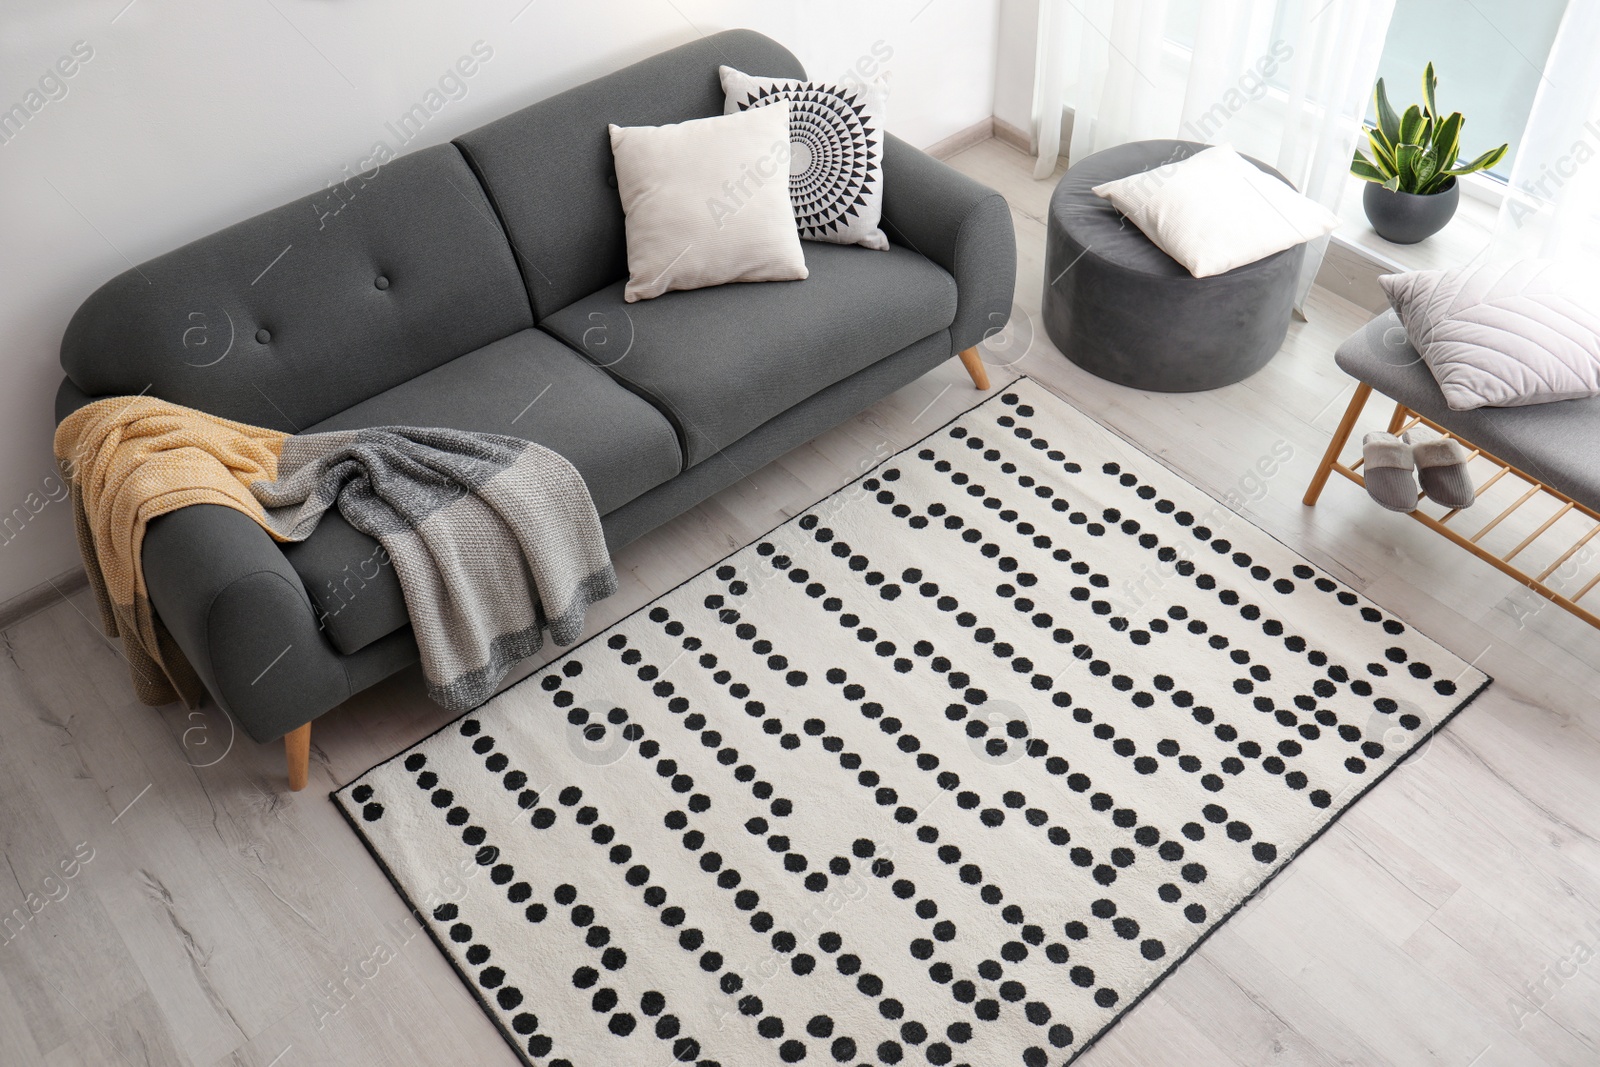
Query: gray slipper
x,y
1387,469
1442,465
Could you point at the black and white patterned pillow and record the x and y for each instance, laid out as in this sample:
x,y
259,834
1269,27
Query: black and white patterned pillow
x,y
835,152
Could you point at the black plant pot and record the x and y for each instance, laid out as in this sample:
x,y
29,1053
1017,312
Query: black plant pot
x,y
1406,218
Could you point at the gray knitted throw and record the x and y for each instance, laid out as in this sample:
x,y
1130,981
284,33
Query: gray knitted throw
x,y
492,538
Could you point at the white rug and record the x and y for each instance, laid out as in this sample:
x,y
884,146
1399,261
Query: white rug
x,y
950,769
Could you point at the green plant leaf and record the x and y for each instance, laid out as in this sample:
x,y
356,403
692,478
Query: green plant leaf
x,y
1376,134
1483,162
1411,124
1447,140
1363,168
1417,151
1388,121
1424,167
1405,157
1382,152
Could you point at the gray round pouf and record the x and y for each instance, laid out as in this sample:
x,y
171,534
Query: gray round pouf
x,y
1122,309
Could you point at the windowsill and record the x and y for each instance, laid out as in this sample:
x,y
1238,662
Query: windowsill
x,y
1466,235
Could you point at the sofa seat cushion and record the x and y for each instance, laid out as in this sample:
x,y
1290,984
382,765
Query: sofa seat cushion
x,y
1558,443
527,385
722,361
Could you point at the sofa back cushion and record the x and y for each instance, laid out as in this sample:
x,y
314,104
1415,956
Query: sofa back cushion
x,y
292,316
548,167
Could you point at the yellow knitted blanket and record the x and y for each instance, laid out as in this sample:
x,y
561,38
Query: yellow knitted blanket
x,y
133,459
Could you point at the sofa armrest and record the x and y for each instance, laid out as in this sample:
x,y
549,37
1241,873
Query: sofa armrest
x,y
226,592
70,398
960,224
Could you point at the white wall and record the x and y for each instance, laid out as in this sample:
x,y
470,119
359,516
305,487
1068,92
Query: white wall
x,y
1016,49
193,114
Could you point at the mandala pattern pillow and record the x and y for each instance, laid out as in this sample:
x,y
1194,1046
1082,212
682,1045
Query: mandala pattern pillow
x,y
835,152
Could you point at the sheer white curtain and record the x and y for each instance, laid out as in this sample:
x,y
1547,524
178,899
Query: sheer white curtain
x,y
1552,204
1286,81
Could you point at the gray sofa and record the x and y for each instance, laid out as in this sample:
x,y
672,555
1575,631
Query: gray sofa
x,y
478,285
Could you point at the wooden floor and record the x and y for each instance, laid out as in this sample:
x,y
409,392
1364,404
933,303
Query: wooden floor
x,y
1452,918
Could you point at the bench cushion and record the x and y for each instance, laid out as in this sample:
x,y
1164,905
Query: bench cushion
x,y
724,360
1557,443
528,385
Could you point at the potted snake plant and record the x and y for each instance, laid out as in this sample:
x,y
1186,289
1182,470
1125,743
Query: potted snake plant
x,y
1411,175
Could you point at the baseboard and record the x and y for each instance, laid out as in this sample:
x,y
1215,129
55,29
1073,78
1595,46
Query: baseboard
x,y
42,596
1022,140
1015,136
962,140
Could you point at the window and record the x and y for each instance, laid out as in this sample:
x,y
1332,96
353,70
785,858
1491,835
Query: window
x,y
1489,56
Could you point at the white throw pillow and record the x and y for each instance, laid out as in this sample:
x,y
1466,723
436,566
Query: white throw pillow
x,y
1215,211
835,152
707,202
1503,334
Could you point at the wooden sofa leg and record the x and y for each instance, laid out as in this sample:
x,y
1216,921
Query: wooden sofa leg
x,y
297,746
974,364
1335,446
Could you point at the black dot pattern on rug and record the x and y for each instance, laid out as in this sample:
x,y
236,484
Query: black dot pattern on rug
x,y
927,833
1250,749
1107,873
950,768
1103,873
583,918
793,861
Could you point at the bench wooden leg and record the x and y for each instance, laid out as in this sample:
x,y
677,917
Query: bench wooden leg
x,y
1335,446
974,364
297,746
1398,419
1549,496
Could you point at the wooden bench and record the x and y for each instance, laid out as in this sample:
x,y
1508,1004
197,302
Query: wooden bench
x,y
1549,452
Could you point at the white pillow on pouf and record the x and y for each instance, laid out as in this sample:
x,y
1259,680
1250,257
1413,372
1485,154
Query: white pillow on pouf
x,y
835,165
1216,211
1503,334
707,202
